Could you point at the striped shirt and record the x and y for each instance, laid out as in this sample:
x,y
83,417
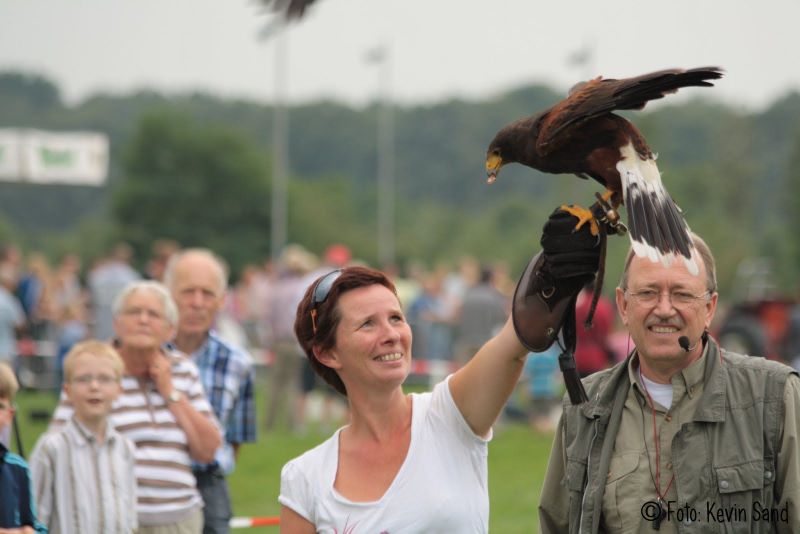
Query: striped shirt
x,y
227,376
166,488
82,485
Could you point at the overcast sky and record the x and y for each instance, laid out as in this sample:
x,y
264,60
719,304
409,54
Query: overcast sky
x,y
439,48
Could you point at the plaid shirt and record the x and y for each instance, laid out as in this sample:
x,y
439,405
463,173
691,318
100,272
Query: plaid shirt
x,y
227,374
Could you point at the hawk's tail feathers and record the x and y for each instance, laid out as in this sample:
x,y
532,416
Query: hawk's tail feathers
x,y
657,228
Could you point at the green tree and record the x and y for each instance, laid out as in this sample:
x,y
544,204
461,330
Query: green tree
x,y
7,233
202,186
792,208
30,91
327,210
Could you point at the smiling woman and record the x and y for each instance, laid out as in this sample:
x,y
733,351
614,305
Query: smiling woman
x,y
422,452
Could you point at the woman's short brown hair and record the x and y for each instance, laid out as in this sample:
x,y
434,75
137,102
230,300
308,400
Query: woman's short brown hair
x,y
328,317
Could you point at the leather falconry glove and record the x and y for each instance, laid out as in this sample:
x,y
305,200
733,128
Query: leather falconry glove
x,y
544,300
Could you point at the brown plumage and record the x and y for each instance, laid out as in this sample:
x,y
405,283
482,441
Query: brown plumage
x,y
580,135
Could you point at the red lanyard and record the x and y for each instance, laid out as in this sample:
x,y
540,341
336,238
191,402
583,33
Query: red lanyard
x,y
657,480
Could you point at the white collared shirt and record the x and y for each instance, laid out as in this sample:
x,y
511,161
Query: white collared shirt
x,y
166,488
82,485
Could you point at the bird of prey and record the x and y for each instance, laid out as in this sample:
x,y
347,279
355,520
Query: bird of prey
x,y
292,9
580,135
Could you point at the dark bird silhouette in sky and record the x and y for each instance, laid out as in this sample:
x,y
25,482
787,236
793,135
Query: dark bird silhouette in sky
x,y
292,9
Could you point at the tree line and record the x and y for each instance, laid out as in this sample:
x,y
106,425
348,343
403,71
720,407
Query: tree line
x,y
196,168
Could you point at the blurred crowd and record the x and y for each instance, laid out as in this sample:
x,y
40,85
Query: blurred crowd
x,y
48,307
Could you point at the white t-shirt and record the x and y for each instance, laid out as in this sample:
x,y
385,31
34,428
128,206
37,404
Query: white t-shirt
x,y
441,486
661,393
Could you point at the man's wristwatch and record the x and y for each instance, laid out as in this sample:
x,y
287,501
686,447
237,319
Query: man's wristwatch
x,y
174,396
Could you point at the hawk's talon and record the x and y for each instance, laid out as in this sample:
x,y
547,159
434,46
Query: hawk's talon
x,y
610,216
583,215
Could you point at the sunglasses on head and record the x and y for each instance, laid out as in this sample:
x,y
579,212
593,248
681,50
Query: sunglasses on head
x,y
320,293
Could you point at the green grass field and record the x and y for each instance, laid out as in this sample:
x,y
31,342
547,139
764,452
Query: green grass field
x,y
517,461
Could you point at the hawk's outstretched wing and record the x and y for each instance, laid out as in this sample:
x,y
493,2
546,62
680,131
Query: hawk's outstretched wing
x,y
600,96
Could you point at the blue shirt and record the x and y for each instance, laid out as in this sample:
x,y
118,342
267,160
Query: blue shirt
x,y
11,316
17,507
226,372
542,370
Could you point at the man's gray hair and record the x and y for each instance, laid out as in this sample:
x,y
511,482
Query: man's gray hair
x,y
219,263
157,288
702,250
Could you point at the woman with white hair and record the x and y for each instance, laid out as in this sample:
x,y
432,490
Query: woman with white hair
x,y
162,409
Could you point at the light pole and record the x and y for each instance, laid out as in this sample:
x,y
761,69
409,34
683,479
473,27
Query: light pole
x,y
386,187
279,216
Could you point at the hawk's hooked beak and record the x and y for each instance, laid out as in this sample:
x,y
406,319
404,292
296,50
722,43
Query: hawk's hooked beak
x,y
493,164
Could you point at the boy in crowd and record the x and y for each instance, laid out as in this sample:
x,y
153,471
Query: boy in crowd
x,y
17,508
83,472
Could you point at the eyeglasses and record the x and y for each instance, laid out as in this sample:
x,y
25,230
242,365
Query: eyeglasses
x,y
103,380
137,312
678,299
320,293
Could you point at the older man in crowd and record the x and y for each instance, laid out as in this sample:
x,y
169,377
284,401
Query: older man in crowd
x,y
198,281
162,409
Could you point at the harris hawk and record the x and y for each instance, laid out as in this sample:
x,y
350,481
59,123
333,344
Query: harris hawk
x,y
580,135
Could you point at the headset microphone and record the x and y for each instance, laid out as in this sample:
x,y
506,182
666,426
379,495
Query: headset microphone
x,y
683,341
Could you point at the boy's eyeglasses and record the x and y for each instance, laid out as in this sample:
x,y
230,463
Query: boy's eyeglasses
x,y
320,293
103,380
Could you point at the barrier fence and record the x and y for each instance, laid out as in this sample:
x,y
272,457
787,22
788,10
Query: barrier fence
x,y
250,522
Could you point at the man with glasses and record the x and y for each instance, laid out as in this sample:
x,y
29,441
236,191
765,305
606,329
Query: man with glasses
x,y
198,280
162,409
682,435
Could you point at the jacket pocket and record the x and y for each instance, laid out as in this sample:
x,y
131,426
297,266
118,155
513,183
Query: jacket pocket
x,y
575,480
743,477
741,488
622,465
620,497
576,475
